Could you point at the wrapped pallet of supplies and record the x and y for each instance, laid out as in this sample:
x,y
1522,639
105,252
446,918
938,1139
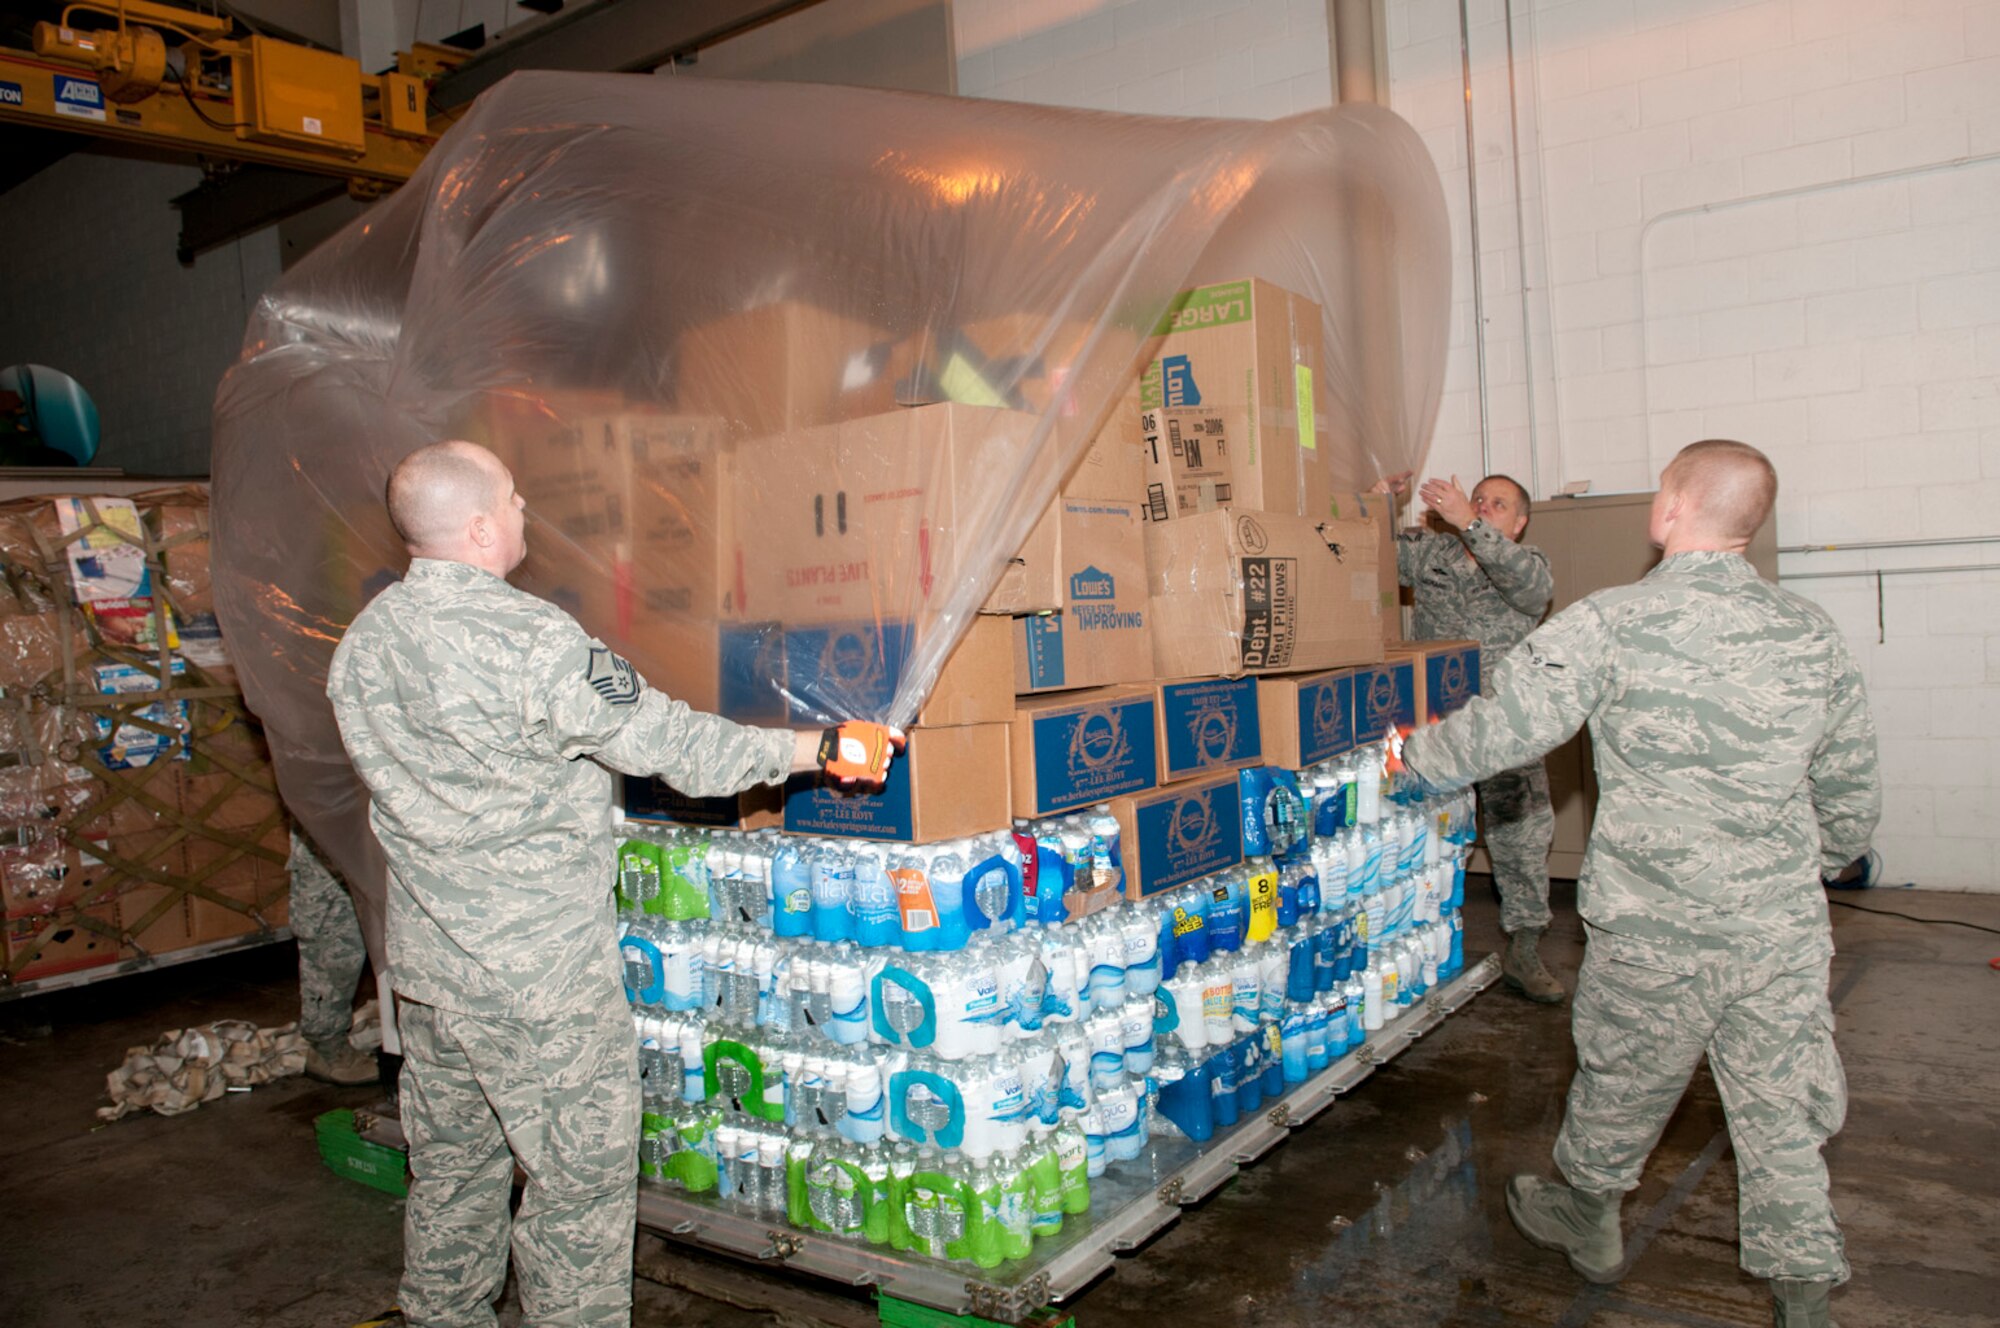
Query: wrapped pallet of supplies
x,y
789,375
138,811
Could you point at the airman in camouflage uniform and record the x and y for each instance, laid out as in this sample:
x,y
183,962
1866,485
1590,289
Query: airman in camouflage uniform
x,y
1479,583
478,716
331,957
1737,761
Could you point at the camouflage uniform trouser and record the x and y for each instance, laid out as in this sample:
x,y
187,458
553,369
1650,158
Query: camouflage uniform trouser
x,y
1520,826
331,951
560,1095
1767,1028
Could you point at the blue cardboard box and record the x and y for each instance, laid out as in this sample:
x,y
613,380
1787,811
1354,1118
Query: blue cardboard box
x,y
1385,697
1082,748
1451,676
946,784
853,671
651,799
1179,834
1307,718
1207,725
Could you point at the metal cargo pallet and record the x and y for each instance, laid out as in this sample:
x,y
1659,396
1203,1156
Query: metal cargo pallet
x,y
1129,1204
10,991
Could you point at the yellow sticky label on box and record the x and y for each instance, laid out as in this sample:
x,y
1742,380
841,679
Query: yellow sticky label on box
x,y
1308,431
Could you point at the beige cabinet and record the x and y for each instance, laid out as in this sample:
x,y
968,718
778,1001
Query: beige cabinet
x,y
1593,543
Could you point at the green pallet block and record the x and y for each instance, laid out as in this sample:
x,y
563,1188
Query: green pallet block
x,y
373,1164
902,1314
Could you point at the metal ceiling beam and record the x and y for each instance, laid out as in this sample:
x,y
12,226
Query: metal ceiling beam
x,y
610,35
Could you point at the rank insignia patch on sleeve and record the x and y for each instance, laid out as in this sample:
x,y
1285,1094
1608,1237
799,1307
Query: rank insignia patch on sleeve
x,y
612,677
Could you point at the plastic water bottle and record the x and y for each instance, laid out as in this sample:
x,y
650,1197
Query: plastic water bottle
x,y
1107,1049
1297,1042
877,924
1368,784
1274,962
1107,859
1247,991
1193,941
916,904
1218,1002
1105,941
1068,975
1371,998
947,870
1228,912
1139,929
1136,1032
792,890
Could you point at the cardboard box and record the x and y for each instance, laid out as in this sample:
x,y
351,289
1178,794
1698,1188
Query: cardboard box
x,y
1236,592
1252,350
948,783
1447,675
1179,834
154,919
222,800
68,941
38,879
1186,454
1102,635
1028,583
252,880
867,520
1381,510
789,365
1082,748
1385,697
1307,718
652,799
1207,725
639,503
854,669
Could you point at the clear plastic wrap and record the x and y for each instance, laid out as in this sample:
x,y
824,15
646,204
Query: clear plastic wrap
x,y
786,373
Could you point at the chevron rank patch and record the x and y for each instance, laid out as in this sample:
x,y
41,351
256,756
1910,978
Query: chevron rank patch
x,y
613,678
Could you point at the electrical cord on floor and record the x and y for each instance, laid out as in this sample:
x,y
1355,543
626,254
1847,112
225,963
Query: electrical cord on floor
x,y
1911,917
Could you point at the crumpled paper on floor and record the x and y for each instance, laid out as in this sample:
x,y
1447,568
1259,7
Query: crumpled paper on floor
x,y
189,1066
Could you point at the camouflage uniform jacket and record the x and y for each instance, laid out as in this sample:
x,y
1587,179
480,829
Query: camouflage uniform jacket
x,y
1495,597
470,710
1735,755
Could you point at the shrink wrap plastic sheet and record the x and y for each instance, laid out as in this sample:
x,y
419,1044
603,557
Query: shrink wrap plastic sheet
x,y
694,318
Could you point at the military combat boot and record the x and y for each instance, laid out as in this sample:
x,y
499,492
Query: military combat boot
x,y
1581,1225
341,1063
1522,968
1796,1304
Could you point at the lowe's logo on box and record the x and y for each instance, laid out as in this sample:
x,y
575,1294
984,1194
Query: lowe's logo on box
x,y
1091,583
80,97
10,94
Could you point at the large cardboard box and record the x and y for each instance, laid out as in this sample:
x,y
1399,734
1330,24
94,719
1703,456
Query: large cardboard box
x,y
1102,635
1447,675
1076,749
1207,725
1385,697
867,520
653,799
1179,834
1253,350
1307,718
842,669
1381,510
256,879
1236,592
1186,455
946,784
789,365
640,503
155,919
67,941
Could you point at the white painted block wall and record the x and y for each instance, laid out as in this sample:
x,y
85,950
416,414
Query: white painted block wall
x,y
1777,220
93,289
1239,59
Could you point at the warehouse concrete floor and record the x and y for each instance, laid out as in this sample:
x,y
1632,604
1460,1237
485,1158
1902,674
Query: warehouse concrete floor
x,y
1385,1211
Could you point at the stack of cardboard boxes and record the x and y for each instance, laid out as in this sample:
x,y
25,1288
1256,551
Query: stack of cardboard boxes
x,y
1195,599
137,800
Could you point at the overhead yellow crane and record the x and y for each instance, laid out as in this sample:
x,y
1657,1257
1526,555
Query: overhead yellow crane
x,y
177,79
